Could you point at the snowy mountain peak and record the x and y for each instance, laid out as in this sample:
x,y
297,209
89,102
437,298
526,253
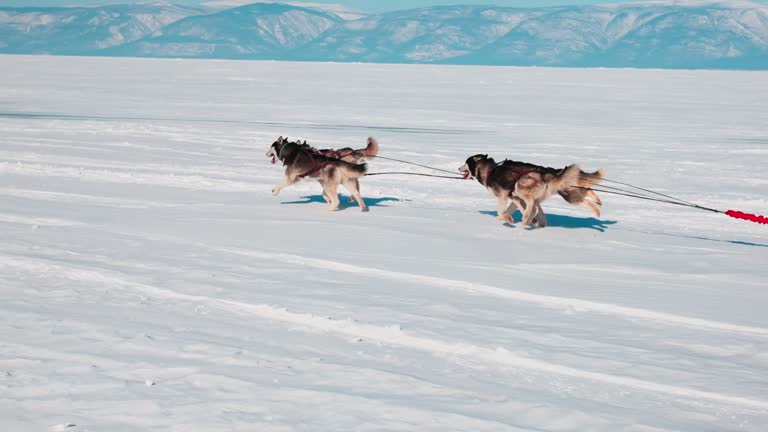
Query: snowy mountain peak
x,y
663,34
259,30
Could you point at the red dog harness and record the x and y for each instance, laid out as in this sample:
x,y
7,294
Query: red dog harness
x,y
334,154
317,166
330,153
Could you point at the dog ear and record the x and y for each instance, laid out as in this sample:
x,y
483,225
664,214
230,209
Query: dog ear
x,y
305,142
485,156
280,139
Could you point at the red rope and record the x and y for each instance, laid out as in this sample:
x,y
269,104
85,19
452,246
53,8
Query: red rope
x,y
736,214
747,216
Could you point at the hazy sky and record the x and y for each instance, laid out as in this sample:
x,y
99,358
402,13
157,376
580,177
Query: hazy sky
x,y
364,5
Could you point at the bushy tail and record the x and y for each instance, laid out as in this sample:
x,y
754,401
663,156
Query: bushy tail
x,y
568,178
372,149
579,192
351,170
591,179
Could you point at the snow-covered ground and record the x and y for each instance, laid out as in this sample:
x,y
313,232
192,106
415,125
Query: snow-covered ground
x,y
149,281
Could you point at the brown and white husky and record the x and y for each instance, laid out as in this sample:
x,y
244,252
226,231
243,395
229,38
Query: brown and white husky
x,y
528,185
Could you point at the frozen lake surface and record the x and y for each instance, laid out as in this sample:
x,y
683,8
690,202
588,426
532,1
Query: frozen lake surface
x,y
149,281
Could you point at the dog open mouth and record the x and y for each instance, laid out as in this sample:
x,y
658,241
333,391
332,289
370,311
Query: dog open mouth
x,y
274,159
466,174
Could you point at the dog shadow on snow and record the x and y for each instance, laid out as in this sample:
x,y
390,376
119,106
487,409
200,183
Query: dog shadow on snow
x,y
344,199
563,221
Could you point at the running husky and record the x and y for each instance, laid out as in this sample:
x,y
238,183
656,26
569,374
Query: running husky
x,y
528,185
301,162
347,154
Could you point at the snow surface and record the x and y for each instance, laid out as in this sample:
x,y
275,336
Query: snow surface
x,y
149,281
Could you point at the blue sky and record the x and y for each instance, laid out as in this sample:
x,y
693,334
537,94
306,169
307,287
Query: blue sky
x,y
364,5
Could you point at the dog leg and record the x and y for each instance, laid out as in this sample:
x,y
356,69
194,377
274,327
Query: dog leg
x,y
501,209
353,186
356,186
287,181
333,194
542,222
535,218
519,204
590,205
513,205
594,197
509,211
530,212
324,194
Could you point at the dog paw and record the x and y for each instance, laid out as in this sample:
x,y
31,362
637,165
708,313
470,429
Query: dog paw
x,y
364,209
275,191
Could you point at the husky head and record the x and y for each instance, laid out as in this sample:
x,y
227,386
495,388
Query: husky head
x,y
276,148
469,169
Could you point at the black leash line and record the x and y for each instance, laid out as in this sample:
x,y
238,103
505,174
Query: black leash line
x,y
632,194
644,197
646,190
413,163
416,174
613,188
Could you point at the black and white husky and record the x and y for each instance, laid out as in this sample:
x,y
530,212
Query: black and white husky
x,y
302,161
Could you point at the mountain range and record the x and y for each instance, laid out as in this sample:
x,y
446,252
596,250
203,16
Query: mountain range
x,y
688,34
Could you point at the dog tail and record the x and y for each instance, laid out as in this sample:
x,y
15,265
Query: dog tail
x,y
578,193
372,149
591,179
351,170
568,178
